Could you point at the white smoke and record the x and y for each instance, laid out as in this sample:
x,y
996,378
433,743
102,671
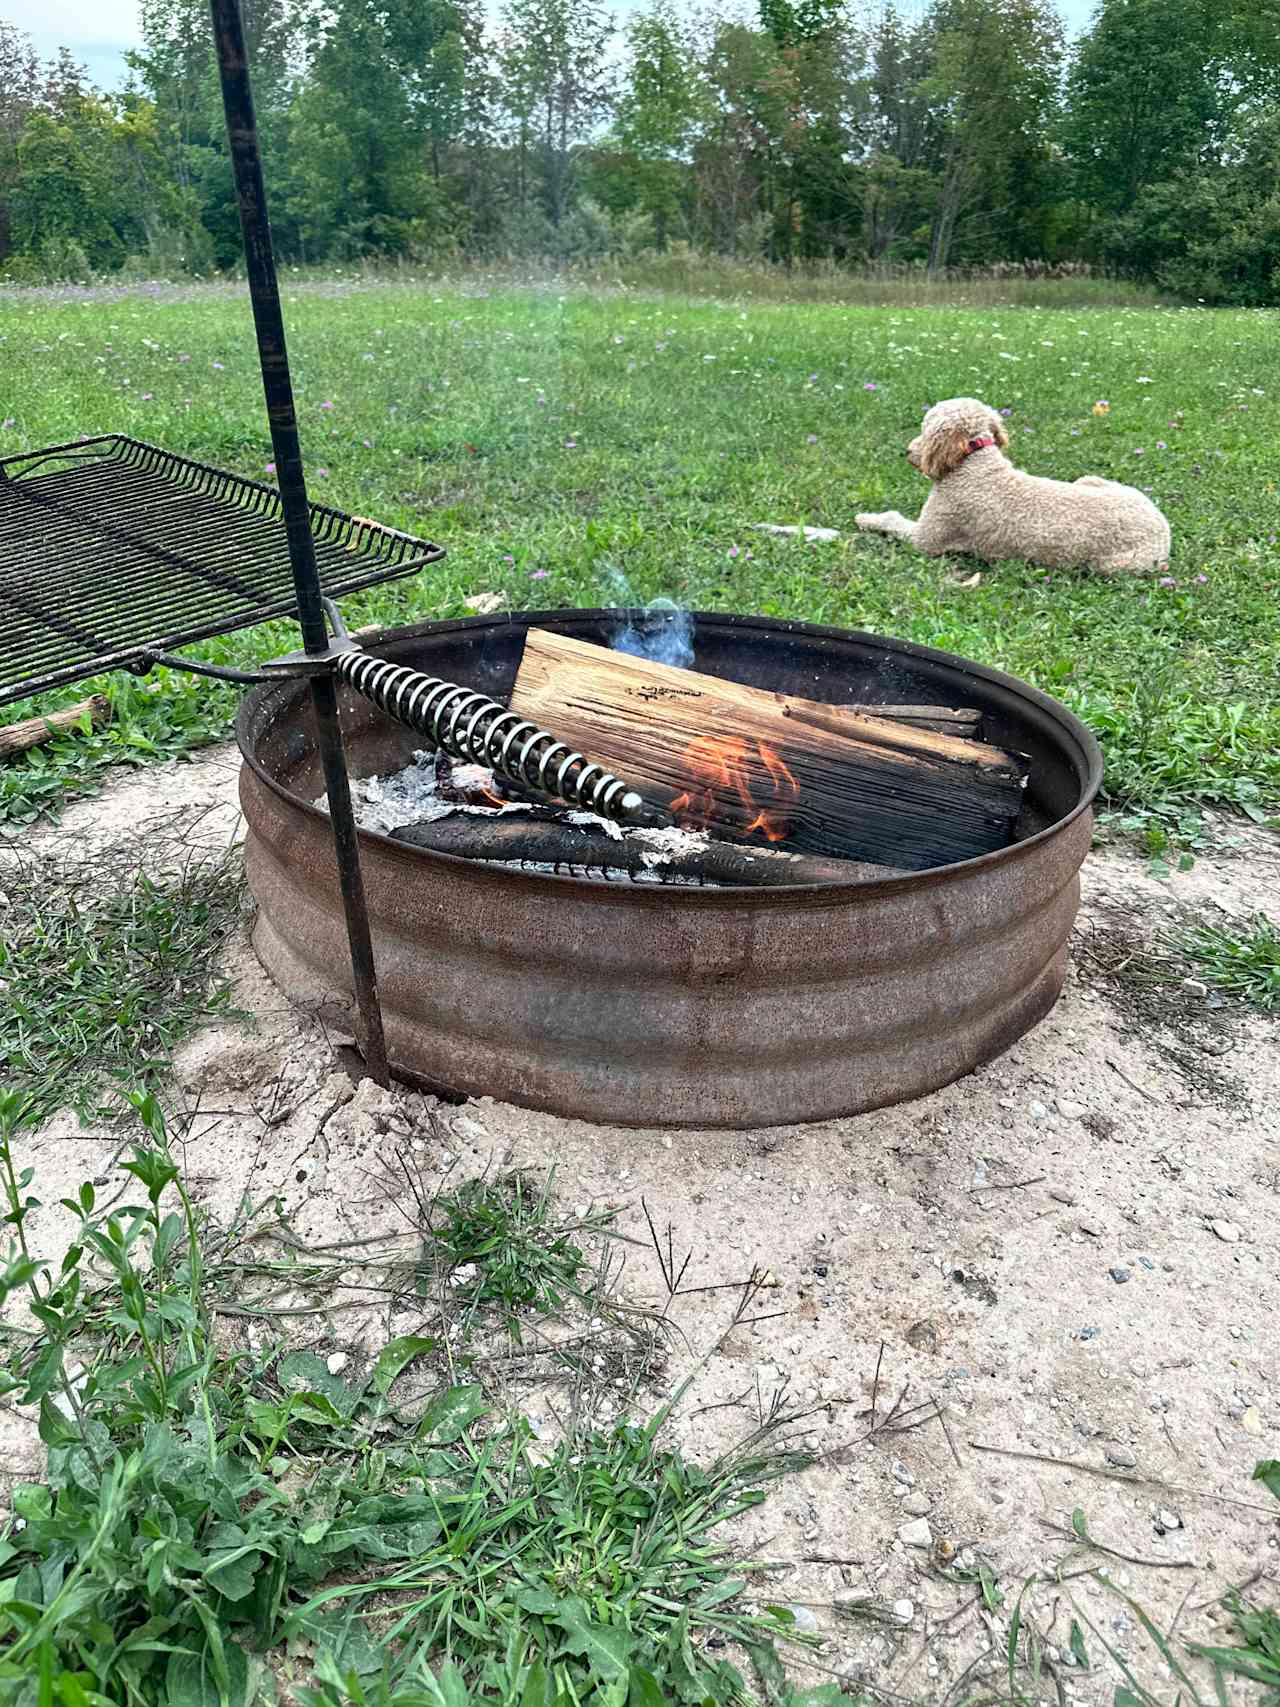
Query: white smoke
x,y
660,631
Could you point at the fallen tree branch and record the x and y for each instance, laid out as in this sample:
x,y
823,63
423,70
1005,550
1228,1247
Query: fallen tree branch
x,y
35,731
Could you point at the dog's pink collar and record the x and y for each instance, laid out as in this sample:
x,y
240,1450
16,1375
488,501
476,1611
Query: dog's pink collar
x,y
979,444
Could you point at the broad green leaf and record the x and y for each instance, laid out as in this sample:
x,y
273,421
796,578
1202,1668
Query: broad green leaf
x,y
234,1574
1268,1473
45,1374
537,1600
396,1356
190,1679
537,1687
55,1428
304,1372
606,1649
31,1501
451,1413
720,1592
642,1689
1079,1525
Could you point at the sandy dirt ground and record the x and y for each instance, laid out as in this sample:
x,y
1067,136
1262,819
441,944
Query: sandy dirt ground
x,y
1052,1287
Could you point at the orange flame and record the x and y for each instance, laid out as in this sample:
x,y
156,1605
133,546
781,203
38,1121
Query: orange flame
x,y
723,764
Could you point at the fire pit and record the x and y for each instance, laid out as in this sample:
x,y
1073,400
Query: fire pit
x,y
679,1007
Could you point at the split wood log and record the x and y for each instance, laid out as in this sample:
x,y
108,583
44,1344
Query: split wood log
x,y
746,762
544,838
34,731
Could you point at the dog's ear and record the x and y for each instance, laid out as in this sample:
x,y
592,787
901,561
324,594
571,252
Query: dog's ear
x,y
944,449
998,433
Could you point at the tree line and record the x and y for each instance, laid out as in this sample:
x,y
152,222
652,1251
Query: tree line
x,y
957,133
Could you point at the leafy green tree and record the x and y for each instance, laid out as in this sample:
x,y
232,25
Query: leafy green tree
x,y
1211,234
177,69
1149,94
992,81
69,192
556,85
658,110
382,100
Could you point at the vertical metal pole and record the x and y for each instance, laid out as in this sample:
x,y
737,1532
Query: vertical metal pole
x,y
264,291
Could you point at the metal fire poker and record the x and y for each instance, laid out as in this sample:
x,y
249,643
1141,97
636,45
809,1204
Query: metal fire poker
x,y
264,291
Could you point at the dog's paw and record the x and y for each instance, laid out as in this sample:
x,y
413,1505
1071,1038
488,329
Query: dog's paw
x,y
868,521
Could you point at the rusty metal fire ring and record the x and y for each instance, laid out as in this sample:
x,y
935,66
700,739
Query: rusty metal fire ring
x,y
677,1007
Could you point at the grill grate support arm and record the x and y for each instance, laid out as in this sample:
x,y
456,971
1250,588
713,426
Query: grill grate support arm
x,y
264,291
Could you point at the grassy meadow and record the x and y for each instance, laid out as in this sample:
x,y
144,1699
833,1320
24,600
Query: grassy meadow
x,y
566,444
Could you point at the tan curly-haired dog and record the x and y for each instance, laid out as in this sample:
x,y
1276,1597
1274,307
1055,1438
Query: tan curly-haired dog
x,y
982,505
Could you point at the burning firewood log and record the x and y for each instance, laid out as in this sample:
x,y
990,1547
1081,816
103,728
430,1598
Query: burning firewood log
x,y
544,837
746,763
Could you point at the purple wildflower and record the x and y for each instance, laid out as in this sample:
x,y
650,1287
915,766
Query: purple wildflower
x,y
870,385
1202,579
271,468
1006,413
812,439
1161,445
539,574
218,365
1167,581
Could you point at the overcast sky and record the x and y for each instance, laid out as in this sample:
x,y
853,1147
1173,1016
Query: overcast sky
x,y
99,34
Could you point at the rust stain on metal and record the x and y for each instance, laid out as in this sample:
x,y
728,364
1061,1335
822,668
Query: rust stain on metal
x,y
694,1008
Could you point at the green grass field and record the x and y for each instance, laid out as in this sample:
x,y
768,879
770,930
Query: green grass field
x,y
554,441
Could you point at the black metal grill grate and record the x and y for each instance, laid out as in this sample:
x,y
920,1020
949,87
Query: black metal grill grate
x,y
111,546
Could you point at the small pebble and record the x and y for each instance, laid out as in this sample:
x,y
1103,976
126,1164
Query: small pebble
x,y
916,1533
804,1617
1168,1519
904,1610
1227,1231
1251,1421
1122,1458
1070,1110
336,1363
917,1505
1195,987
465,1127
1060,1196
901,1472
1038,1111
1091,1228
1090,1333
1120,1275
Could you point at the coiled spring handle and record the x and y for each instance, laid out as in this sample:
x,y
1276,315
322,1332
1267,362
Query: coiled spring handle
x,y
473,727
